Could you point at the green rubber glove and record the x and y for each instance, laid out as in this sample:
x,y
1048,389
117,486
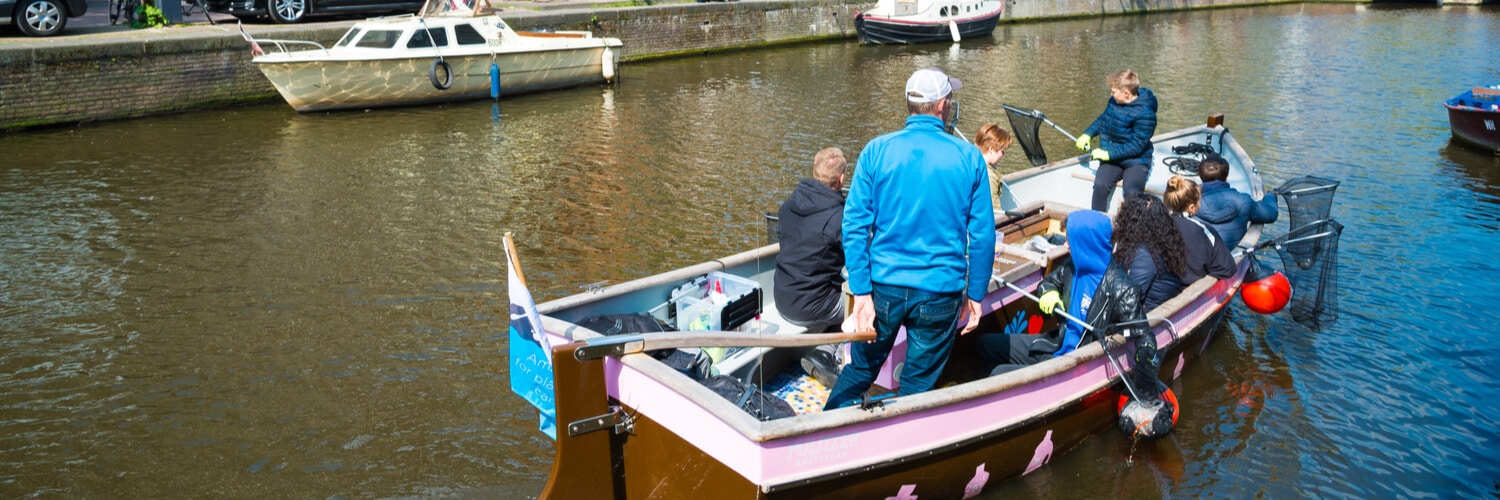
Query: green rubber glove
x,y
1050,301
1082,142
1101,155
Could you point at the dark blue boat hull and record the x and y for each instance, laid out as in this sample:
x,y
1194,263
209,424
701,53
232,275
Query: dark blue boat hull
x,y
882,31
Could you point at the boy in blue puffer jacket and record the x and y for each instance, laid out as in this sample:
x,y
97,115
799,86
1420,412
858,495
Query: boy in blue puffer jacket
x,y
1229,211
1124,130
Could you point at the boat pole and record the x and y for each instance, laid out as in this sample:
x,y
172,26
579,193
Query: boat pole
x,y
1086,326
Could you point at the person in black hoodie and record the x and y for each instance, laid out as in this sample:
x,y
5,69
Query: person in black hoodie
x,y
1124,130
808,287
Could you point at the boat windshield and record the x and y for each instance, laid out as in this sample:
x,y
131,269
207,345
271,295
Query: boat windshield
x,y
379,39
348,38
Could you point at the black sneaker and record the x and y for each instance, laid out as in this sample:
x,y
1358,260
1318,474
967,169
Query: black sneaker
x,y
822,366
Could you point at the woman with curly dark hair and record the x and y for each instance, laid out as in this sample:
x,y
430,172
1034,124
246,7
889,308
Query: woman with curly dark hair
x,y
1147,243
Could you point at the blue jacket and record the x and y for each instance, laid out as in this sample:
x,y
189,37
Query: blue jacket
x,y
1157,283
1125,130
1230,211
919,213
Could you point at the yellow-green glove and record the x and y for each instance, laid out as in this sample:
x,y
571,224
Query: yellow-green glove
x,y
1050,300
1082,142
1101,155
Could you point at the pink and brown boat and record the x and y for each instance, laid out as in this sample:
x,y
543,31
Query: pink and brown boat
x,y
630,426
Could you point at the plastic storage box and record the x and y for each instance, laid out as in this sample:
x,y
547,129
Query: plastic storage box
x,y
696,311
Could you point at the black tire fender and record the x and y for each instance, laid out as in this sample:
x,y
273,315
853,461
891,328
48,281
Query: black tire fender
x,y
446,81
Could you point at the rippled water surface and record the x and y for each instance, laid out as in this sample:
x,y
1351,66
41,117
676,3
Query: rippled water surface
x,y
255,303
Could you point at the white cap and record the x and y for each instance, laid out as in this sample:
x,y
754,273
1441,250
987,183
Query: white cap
x,y
930,85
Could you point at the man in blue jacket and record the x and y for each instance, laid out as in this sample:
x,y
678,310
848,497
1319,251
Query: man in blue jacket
x,y
919,236
1124,130
1227,210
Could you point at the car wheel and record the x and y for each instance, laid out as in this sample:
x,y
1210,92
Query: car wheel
x,y
287,11
41,17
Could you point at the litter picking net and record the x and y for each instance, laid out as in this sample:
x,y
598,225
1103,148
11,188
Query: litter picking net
x,y
1310,260
1308,200
1025,127
773,229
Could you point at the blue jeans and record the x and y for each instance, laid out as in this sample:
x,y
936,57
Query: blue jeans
x,y
931,321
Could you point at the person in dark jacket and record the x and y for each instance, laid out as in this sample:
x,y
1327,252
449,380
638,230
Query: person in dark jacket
x,y
1206,253
808,286
1090,285
1148,243
1124,130
1230,212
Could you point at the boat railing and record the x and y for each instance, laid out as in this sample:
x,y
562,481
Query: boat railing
x,y
282,45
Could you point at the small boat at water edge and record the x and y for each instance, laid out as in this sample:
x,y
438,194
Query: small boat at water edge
x,y
630,426
450,51
914,21
1474,116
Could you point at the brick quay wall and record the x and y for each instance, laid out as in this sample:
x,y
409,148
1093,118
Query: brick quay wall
x,y
126,74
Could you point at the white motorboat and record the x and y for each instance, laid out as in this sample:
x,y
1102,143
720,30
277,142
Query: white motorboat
x,y
452,50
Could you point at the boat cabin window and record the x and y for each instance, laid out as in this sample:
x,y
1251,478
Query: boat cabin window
x,y
467,35
424,38
379,39
943,12
348,38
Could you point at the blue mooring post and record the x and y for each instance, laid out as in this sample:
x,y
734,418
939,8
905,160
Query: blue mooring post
x,y
494,80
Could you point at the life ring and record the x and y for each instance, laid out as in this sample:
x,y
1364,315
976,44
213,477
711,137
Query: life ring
x,y
432,73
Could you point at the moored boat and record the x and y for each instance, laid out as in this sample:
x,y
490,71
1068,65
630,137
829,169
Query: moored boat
x,y
450,51
655,432
913,21
1474,116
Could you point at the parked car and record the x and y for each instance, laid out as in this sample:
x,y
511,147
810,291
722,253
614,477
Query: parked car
x,y
292,11
40,17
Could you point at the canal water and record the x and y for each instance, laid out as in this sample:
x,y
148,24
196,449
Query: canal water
x,y
256,303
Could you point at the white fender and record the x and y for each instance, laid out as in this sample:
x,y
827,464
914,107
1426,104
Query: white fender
x,y
608,62
953,28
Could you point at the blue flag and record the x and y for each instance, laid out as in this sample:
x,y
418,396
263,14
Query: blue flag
x,y
530,353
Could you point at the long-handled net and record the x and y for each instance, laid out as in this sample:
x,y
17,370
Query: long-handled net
x,y
1310,260
1025,125
1307,198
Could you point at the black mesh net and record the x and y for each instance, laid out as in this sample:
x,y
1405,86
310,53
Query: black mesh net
x,y
1307,199
1025,125
773,229
1310,260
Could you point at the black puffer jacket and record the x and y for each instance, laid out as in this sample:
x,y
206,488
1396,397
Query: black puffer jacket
x,y
807,269
1117,300
1125,130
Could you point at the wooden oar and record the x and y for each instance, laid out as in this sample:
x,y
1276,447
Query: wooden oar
x,y
620,345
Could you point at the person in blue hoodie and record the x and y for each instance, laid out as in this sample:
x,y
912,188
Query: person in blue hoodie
x,y
919,237
1124,130
1228,211
1089,285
